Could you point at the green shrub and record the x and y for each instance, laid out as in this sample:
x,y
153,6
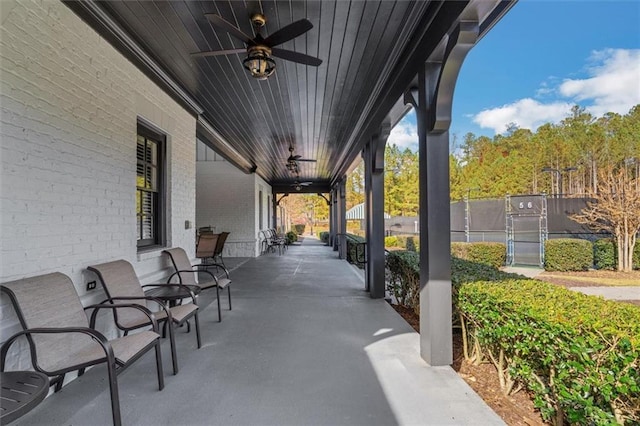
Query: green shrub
x,y
355,253
411,245
391,241
578,354
568,254
605,254
324,237
403,280
488,253
291,237
299,228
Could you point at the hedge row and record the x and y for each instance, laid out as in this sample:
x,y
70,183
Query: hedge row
x,y
408,242
568,254
605,254
571,254
355,254
324,237
488,253
579,355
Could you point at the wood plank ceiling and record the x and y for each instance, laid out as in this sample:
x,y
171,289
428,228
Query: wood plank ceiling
x,y
315,110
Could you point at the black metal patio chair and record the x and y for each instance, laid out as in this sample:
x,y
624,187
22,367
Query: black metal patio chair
x,y
187,274
61,339
120,282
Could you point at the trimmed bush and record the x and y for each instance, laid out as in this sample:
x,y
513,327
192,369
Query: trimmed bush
x,y
605,254
403,280
568,254
291,237
392,241
579,355
411,245
354,250
299,228
488,253
324,237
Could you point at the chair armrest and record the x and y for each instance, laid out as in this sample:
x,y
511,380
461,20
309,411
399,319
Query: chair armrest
x,y
143,309
217,265
191,272
158,301
94,334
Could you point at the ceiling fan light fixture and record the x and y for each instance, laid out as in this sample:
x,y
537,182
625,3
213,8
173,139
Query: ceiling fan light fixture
x,y
259,63
298,187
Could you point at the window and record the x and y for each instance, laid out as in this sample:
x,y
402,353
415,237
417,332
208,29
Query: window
x,y
149,189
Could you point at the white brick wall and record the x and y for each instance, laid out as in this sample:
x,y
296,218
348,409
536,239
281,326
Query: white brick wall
x,y
227,199
70,104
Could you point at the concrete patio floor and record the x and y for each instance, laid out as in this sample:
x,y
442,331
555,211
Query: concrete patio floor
x,y
303,345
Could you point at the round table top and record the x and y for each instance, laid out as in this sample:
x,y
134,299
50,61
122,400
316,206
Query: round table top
x,y
172,292
21,392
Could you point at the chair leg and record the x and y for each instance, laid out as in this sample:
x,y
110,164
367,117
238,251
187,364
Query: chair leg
x,y
159,365
59,381
197,321
229,292
172,343
115,399
218,298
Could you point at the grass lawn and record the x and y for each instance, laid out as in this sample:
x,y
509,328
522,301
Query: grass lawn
x,y
594,278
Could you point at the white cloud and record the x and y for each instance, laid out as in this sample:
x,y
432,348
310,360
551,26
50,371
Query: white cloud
x,y
525,113
404,135
613,85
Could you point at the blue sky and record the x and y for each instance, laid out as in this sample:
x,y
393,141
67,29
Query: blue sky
x,y
542,58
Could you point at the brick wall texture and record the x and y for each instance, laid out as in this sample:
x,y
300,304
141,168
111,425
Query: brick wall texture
x,y
70,104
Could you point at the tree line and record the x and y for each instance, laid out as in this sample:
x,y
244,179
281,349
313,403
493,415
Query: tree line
x,y
565,158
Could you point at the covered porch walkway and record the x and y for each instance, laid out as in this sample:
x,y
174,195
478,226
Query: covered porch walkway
x,y
304,344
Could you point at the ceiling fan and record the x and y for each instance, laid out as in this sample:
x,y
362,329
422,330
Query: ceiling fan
x,y
297,185
259,49
292,161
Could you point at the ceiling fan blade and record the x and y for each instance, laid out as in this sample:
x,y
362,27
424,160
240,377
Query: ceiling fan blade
x,y
218,53
289,32
305,183
292,56
217,21
308,160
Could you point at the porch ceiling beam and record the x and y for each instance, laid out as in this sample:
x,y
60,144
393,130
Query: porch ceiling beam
x,y
314,188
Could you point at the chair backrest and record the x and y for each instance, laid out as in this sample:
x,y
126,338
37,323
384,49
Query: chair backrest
x,y
221,240
49,300
206,246
181,262
119,279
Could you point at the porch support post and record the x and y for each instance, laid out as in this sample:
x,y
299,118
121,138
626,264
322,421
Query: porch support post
x,y
374,207
432,100
333,224
341,218
274,200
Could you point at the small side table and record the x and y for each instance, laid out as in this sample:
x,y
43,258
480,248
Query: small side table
x,y
21,392
171,293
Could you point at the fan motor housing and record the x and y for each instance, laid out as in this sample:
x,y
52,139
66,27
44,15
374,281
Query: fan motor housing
x,y
258,20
